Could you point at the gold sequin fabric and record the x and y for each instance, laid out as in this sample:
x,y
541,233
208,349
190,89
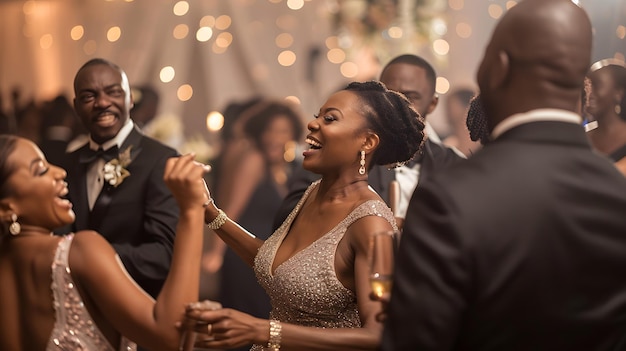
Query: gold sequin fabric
x,y
304,289
74,329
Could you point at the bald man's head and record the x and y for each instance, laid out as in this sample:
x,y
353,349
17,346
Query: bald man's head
x,y
537,58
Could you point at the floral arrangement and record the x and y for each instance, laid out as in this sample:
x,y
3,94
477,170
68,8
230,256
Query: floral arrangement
x,y
115,170
368,23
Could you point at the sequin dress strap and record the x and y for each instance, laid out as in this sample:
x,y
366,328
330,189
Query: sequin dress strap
x,y
74,329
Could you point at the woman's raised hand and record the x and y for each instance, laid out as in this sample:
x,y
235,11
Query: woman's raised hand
x,y
184,177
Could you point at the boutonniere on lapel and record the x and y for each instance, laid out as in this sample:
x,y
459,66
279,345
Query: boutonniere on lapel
x,y
115,170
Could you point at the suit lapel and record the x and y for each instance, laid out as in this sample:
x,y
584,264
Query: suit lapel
x,y
107,195
77,178
379,178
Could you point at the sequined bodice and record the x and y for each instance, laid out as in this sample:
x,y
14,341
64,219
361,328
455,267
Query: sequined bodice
x,y
74,329
304,289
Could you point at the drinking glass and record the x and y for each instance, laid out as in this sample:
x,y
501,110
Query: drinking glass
x,y
382,256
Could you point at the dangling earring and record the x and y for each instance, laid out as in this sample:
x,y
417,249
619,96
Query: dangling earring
x,y
15,227
618,109
362,162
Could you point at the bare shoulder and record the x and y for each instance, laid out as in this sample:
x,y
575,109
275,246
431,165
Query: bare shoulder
x,y
89,252
364,228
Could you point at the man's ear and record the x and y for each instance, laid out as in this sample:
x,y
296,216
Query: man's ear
x,y
433,103
371,142
500,71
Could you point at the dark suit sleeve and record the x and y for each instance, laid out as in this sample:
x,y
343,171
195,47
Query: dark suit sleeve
x,y
431,281
148,259
298,184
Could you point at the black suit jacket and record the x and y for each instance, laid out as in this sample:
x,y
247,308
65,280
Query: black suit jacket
x,y
434,157
520,247
138,217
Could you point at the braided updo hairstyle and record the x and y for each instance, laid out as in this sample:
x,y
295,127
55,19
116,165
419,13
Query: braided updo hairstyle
x,y
7,146
390,115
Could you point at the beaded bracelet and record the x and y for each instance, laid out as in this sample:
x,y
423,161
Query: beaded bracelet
x,y
219,221
275,334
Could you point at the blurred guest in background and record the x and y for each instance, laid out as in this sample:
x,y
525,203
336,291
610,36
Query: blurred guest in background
x,y
521,246
606,103
29,121
146,105
457,105
59,127
233,144
258,185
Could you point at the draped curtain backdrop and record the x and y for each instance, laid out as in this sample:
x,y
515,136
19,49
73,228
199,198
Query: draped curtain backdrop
x,y
39,55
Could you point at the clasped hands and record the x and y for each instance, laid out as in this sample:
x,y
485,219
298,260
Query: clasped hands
x,y
208,325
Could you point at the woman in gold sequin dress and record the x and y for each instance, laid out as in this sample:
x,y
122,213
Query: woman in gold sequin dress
x,y
72,292
314,267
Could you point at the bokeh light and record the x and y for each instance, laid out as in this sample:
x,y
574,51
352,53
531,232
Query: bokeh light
x,y
181,31
286,58
495,11
349,69
510,4
439,26
114,34
207,21
621,32
332,42
395,32
46,41
214,121
295,4
336,55
204,34
441,47
181,8
284,40
167,74
463,30
456,4
223,22
293,99
184,92
77,32
443,85
224,40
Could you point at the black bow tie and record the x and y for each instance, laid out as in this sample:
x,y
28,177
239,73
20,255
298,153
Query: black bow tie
x,y
88,155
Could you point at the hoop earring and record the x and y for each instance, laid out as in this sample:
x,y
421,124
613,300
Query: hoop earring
x,y
362,163
14,228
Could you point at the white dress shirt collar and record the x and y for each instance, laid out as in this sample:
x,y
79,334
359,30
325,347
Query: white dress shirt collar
x,y
554,115
117,140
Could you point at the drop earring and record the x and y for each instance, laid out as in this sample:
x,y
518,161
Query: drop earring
x,y
14,228
362,163
618,109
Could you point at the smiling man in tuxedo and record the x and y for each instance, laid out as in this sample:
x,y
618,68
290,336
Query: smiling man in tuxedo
x,y
116,179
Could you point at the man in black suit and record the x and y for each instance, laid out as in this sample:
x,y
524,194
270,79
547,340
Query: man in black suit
x,y
120,192
522,246
415,78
